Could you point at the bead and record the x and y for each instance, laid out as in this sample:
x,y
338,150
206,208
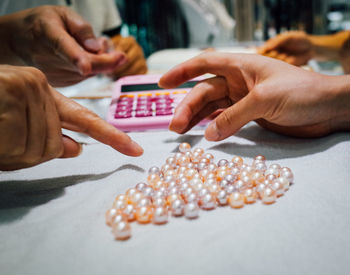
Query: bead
x,y
177,207
230,178
222,197
135,198
250,196
148,191
208,156
236,200
144,202
140,186
110,215
159,202
207,202
184,147
121,230
144,214
198,150
171,161
275,166
193,197
222,162
131,191
129,211
284,182
230,188
238,161
287,174
260,158
224,183
154,170
122,197
268,196
119,204
160,215
278,187
272,171
191,210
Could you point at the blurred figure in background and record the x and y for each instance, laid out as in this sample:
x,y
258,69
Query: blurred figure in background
x,y
298,47
104,18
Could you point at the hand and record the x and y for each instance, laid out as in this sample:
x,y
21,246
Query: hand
x,y
292,47
136,62
32,114
280,97
59,42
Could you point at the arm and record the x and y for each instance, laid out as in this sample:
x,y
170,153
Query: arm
x,y
57,41
250,87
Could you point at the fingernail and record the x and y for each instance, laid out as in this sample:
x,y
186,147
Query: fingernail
x,y
137,148
80,149
92,44
212,132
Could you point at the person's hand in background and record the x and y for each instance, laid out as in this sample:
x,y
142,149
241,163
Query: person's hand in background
x,y
293,47
280,97
32,114
136,62
57,41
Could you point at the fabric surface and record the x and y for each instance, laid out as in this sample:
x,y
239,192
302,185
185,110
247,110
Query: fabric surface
x,y
56,224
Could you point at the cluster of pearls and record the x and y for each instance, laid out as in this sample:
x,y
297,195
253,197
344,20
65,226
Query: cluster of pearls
x,y
190,181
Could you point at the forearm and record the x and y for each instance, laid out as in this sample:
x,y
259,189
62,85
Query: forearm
x,y
327,47
7,53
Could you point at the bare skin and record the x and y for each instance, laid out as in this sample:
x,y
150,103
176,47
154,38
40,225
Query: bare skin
x,y
136,62
57,41
280,97
297,48
32,114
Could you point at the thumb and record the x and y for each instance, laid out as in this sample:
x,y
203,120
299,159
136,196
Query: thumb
x,y
71,148
232,119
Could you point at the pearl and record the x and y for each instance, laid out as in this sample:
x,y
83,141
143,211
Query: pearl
x,y
193,197
272,171
260,158
198,150
275,166
240,184
284,182
121,230
222,197
202,192
159,202
214,188
210,182
171,161
250,196
159,194
268,196
236,200
190,165
166,167
172,198
238,161
191,210
174,190
154,170
204,160
144,202
278,188
135,198
148,191
184,147
130,192
230,178
202,166
122,197
129,211
207,202
287,175
144,214
140,186
261,166
119,204
222,162
177,207
110,215
230,189
119,217
260,189
224,183
212,167
208,156
160,215
189,173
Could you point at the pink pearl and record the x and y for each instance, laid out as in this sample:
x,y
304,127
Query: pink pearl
x,y
268,196
250,196
121,230
191,210
160,215
177,207
184,147
207,202
110,215
144,214
236,200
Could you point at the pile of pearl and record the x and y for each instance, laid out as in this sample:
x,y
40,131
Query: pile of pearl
x,y
190,180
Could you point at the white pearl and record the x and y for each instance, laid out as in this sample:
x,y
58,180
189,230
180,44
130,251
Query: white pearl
x,y
230,188
230,178
159,202
140,186
268,196
236,200
278,187
207,202
154,170
284,182
144,202
193,197
160,215
212,167
121,230
129,211
275,166
223,183
222,197
222,162
177,207
272,171
287,175
184,147
202,166
191,210
261,166
110,214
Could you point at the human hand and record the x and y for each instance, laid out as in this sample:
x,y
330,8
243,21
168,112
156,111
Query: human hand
x,y
59,42
32,114
293,47
136,62
280,97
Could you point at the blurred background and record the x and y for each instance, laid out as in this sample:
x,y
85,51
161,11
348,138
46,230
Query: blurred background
x,y
159,24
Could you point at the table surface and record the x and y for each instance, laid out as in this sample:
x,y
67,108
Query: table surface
x,y
52,215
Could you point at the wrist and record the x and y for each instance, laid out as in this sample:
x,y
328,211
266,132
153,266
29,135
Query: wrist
x,y
339,93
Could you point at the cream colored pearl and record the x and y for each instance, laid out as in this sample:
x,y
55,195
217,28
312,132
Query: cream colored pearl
x,y
177,207
238,161
278,187
198,150
154,170
193,197
160,215
191,210
222,162
222,197
121,230
144,214
250,196
268,196
287,175
207,202
184,147
284,182
236,200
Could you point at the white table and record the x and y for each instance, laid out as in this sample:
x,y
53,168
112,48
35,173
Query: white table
x,y
56,226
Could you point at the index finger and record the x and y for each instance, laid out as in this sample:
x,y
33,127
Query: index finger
x,y
77,118
208,62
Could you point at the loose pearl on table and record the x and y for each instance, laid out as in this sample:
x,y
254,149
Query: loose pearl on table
x,y
140,186
207,202
250,196
193,197
230,188
222,197
121,230
122,197
184,147
129,211
222,162
110,215
148,191
177,207
236,200
238,161
287,174
268,195
278,188
144,202
144,214
119,204
284,182
160,215
159,202
154,170
198,150
191,210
